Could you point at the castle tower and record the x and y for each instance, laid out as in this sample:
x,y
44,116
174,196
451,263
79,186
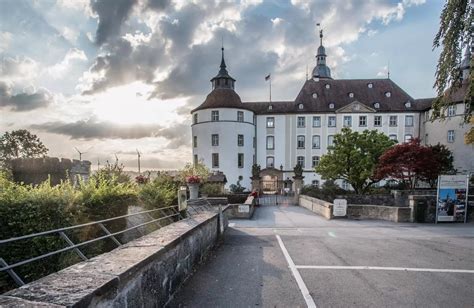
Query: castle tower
x,y
223,131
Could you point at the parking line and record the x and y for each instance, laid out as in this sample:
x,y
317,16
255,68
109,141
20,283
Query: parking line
x,y
381,268
304,290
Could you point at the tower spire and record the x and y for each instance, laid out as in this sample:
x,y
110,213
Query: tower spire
x,y
223,66
321,70
223,79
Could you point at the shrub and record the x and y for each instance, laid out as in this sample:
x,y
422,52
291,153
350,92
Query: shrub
x,y
211,189
27,209
161,192
328,191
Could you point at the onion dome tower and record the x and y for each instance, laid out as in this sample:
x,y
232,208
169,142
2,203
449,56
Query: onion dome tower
x,y
321,70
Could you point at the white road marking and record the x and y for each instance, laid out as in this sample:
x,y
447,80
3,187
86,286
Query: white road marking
x,y
381,268
304,290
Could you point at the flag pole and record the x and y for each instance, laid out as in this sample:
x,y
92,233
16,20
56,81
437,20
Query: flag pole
x,y
270,88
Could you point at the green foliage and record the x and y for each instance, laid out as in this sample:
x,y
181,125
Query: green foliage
x,y
112,172
353,158
161,192
104,196
27,209
189,169
328,191
454,35
211,189
20,144
237,188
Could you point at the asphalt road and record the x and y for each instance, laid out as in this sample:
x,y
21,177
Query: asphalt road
x,y
337,263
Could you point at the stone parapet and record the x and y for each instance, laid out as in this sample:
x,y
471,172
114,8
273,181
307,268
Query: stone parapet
x,y
143,273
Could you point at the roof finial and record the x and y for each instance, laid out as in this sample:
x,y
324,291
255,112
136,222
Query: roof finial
x,y
320,33
223,66
388,70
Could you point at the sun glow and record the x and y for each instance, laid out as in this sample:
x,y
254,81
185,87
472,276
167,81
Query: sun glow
x,y
129,105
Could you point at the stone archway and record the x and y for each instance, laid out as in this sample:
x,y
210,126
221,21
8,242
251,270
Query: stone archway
x,y
271,181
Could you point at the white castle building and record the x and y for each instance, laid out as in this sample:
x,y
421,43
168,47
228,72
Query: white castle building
x,y
230,135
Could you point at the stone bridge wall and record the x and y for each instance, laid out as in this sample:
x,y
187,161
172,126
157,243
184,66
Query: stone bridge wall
x,y
324,208
143,273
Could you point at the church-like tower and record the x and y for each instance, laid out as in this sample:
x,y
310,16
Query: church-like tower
x,y
223,131
321,70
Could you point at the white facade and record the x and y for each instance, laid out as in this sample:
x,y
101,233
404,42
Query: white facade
x,y
227,145
450,132
285,133
281,135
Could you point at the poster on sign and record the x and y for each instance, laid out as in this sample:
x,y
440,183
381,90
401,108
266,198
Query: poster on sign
x,y
452,198
339,208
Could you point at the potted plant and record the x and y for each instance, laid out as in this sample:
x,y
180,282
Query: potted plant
x,y
193,182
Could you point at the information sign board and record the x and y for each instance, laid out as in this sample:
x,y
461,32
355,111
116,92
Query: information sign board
x,y
451,201
339,208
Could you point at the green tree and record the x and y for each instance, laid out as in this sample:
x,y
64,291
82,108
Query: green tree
x,y
112,173
198,169
354,157
20,144
454,35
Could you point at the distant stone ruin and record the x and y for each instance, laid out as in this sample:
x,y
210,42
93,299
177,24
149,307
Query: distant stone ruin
x,y
37,170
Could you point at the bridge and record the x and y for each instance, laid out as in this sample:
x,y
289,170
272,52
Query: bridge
x,y
285,256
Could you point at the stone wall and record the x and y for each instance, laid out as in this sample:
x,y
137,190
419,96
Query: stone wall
x,y
369,199
382,212
37,170
324,208
143,273
320,207
243,210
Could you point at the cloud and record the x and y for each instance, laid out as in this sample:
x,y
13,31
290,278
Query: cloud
x,y
24,101
180,45
18,68
112,14
5,39
92,128
73,55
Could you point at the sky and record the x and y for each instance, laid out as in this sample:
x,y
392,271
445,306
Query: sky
x,y
109,77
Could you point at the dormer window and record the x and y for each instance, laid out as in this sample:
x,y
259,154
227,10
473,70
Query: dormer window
x,y
351,95
388,94
370,85
376,105
331,106
270,107
300,106
408,104
316,79
328,86
315,95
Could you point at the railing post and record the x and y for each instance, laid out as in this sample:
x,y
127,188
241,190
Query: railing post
x,y
101,225
64,236
12,273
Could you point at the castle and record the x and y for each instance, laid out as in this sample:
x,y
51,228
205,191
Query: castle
x,y
229,135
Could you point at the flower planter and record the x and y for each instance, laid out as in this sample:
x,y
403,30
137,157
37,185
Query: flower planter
x,y
193,190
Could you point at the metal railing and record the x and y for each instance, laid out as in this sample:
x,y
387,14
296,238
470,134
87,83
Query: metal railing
x,y
173,213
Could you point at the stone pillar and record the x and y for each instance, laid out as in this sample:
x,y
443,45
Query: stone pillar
x,y
298,181
256,184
